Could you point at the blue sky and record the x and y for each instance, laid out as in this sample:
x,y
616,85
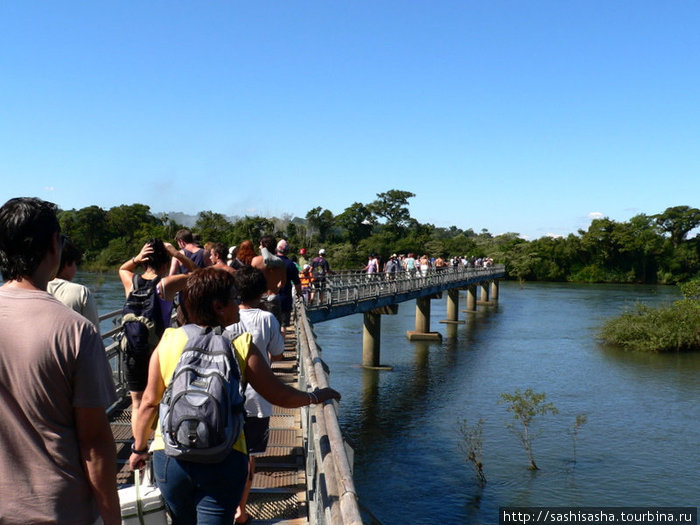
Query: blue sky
x,y
512,116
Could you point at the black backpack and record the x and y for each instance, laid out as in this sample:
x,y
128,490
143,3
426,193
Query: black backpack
x,y
142,320
201,412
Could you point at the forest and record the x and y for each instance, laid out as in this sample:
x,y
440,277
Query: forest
x,y
653,248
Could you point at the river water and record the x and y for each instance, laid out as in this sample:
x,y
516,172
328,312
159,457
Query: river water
x,y
637,448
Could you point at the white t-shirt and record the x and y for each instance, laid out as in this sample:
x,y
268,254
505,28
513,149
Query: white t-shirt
x,y
77,297
267,336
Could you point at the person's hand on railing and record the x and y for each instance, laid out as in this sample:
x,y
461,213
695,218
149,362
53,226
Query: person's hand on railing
x,y
322,395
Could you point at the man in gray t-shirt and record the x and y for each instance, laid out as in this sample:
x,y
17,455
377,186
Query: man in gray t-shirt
x,y
57,453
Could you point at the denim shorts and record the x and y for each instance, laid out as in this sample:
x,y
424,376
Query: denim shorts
x,y
202,493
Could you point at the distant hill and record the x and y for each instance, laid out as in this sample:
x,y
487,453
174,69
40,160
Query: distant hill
x,y
182,218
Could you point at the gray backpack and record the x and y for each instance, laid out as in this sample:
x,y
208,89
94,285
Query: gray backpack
x,y
201,413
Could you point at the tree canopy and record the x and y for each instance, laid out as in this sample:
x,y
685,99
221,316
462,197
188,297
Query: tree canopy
x,y
645,249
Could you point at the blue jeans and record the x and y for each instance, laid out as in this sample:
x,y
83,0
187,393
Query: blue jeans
x,y
201,493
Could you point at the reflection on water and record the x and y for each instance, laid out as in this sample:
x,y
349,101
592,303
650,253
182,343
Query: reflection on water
x,y
636,448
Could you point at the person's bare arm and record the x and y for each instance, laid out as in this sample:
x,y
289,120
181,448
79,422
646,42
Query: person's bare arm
x,y
99,456
147,411
181,258
126,270
268,385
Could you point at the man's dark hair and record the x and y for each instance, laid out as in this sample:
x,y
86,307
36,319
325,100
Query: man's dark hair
x,y
220,250
269,242
69,255
250,283
27,226
204,287
184,236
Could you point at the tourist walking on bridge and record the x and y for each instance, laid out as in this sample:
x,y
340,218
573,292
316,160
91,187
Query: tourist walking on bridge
x,y
57,455
155,256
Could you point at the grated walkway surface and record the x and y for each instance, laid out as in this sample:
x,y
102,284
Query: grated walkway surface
x,y
278,494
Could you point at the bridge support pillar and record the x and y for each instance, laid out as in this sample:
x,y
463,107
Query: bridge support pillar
x,y
422,331
484,292
471,298
453,307
371,333
494,291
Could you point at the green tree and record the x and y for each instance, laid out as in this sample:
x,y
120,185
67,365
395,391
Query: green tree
x,y
88,228
392,205
678,221
356,222
213,227
252,229
126,220
521,261
525,406
322,221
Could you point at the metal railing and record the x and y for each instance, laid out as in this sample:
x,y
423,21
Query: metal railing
x,y
113,352
332,498
346,287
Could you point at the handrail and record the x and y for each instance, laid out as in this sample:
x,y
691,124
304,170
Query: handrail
x,y
345,287
332,495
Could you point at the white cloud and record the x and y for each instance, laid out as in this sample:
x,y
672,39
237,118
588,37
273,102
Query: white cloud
x,y
595,215
553,235
49,188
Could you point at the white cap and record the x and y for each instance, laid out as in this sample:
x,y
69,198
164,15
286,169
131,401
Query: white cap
x,y
322,252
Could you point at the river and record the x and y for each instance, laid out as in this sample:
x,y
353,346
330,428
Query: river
x,y
637,448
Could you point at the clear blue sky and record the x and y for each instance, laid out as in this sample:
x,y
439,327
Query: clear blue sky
x,y
514,116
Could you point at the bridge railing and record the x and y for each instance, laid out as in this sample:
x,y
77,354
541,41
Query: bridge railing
x,y
331,490
113,350
352,286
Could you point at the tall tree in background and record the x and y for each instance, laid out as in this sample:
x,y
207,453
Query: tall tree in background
x,y
356,222
213,227
392,205
322,221
252,229
88,228
678,221
126,220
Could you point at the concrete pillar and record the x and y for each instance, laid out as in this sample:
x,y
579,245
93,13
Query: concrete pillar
x,y
452,307
423,314
484,292
494,291
471,298
452,304
370,339
422,331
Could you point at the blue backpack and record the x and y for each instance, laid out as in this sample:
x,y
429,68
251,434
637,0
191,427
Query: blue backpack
x,y
201,413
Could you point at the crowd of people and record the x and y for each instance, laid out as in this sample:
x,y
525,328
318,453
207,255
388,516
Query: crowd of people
x,y
420,266
57,454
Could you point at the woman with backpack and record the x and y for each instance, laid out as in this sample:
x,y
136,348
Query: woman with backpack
x,y
147,310
196,488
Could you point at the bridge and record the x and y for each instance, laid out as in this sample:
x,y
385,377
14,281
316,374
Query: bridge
x,y
305,477
374,295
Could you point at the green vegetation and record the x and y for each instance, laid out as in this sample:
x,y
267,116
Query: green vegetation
x,y
672,328
525,406
646,249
